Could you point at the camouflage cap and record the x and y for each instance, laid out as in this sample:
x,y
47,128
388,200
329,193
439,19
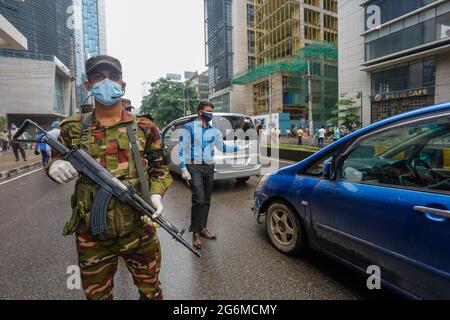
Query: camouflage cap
x,y
98,61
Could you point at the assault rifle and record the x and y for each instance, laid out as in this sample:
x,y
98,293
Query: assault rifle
x,y
108,185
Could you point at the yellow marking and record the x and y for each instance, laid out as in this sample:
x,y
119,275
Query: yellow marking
x,y
446,155
379,150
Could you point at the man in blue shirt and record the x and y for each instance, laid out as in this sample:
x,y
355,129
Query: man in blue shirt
x,y
196,154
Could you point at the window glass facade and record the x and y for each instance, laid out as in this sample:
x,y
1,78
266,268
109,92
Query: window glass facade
x,y
250,15
403,88
431,30
218,28
382,11
43,23
91,31
413,75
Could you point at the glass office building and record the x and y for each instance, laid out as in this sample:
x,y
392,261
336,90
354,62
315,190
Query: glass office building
x,y
91,28
399,55
36,82
43,23
92,38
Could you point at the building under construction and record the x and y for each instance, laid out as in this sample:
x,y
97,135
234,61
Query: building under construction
x,y
279,82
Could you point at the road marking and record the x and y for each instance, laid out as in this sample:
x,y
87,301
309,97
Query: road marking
x,y
19,177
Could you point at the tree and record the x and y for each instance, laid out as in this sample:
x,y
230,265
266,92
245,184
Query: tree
x,y
166,98
2,123
349,113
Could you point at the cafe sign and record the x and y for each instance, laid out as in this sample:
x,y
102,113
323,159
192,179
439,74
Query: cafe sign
x,y
422,92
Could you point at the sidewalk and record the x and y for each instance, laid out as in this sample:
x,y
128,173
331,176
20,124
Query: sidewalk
x,y
306,141
9,166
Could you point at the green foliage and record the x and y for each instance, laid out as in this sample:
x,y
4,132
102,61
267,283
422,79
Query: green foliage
x,y
334,119
165,101
2,123
348,112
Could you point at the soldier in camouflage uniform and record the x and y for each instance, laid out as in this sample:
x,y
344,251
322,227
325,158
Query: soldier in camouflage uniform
x,y
128,235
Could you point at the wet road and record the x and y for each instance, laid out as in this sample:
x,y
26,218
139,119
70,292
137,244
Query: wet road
x,y
242,264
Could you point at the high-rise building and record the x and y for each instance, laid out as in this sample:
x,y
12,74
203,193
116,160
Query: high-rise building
x,y
201,84
90,35
282,29
10,37
94,27
229,35
394,55
36,83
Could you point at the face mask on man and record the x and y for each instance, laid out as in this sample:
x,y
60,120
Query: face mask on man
x,y
207,116
107,92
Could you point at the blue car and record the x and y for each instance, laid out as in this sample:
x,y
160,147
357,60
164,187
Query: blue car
x,y
378,197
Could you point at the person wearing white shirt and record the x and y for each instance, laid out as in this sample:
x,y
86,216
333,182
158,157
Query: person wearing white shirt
x,y
321,134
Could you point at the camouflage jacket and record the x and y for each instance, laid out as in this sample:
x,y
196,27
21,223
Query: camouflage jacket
x,y
110,147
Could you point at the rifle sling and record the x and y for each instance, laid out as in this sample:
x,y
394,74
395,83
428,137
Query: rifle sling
x,y
138,162
85,132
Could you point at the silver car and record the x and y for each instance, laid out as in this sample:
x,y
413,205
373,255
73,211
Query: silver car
x,y
241,165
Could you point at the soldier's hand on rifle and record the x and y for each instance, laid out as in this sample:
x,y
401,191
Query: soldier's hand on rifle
x,y
157,205
62,171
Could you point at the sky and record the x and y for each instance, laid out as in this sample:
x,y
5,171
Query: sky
x,y
152,38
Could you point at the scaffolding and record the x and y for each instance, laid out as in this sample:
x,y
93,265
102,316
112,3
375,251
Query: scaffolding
x,y
277,27
295,65
282,85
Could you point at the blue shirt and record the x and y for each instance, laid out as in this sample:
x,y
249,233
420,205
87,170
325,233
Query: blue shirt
x,y
41,146
197,144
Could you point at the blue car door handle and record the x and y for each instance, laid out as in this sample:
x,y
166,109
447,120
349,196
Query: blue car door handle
x,y
434,214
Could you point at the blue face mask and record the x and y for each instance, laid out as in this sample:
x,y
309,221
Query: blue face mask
x,y
107,92
207,116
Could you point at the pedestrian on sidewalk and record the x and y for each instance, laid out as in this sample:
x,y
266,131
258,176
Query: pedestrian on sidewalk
x,y
196,155
300,135
4,140
337,134
43,149
321,134
54,133
16,146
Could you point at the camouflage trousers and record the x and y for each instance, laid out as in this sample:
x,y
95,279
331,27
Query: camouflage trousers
x,y
98,261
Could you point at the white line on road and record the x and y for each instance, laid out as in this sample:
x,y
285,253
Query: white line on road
x,y
19,177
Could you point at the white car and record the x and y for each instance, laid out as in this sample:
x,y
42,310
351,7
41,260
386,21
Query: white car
x,y
241,165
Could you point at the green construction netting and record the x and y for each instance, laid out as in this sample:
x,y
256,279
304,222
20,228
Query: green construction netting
x,y
296,64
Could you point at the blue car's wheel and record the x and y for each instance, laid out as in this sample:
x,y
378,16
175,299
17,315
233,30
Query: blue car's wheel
x,y
285,229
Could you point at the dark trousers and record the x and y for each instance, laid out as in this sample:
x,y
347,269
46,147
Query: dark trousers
x,y
4,146
16,148
300,141
202,185
320,142
45,157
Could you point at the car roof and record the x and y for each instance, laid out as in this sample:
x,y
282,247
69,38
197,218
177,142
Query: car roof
x,y
403,116
216,114
400,117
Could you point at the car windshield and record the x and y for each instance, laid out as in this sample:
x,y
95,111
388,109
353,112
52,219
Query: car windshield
x,y
230,125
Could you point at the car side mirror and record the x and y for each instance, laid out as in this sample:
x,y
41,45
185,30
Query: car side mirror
x,y
327,170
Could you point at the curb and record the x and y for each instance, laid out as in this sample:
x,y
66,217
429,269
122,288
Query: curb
x,y
14,172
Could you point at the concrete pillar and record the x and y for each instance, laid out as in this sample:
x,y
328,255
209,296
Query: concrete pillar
x,y
442,78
